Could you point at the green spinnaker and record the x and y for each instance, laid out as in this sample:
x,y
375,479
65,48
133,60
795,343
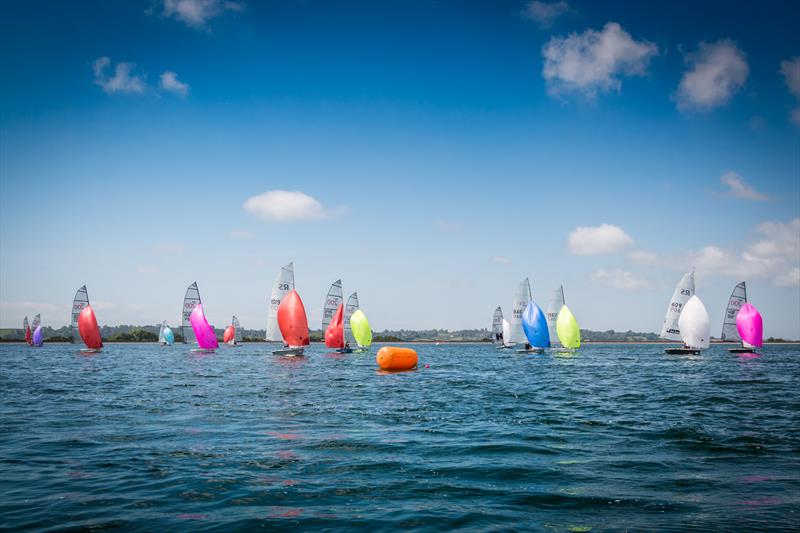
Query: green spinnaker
x,y
360,328
567,328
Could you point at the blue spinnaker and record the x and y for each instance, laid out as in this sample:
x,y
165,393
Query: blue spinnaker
x,y
534,324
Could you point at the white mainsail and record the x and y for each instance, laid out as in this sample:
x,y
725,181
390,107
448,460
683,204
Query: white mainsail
x,y
521,299
349,309
332,302
553,308
191,299
237,330
497,325
671,330
37,320
161,338
80,301
694,324
738,298
283,285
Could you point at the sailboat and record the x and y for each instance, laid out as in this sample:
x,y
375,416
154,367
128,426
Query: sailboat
x,y
695,328
84,323
566,327
203,332
333,319
165,335
553,307
519,304
730,329
361,330
350,338
233,333
293,324
498,336
27,329
534,325
750,327
283,284
670,329
190,300
36,325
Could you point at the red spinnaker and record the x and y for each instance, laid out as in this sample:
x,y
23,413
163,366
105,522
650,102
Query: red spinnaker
x,y
229,334
28,337
334,335
292,320
88,329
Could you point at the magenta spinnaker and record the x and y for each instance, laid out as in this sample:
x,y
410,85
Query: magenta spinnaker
x,y
206,338
749,324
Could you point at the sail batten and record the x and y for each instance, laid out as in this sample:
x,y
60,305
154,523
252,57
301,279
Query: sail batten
x,y
670,329
283,285
333,300
238,335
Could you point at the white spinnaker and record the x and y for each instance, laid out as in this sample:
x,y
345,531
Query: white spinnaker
x,y
671,330
332,302
521,299
695,325
161,338
497,325
506,333
284,284
191,299
553,308
237,330
37,320
738,298
349,309
80,301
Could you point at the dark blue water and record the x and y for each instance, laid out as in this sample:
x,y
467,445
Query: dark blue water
x,y
617,437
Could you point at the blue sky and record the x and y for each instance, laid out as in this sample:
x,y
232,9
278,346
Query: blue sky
x,y
437,154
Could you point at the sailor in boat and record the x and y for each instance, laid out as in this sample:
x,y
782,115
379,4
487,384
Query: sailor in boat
x,y
528,346
346,345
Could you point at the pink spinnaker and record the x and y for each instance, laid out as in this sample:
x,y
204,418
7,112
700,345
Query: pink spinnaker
x,y
750,326
206,338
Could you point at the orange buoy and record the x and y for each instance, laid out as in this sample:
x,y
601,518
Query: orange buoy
x,y
393,358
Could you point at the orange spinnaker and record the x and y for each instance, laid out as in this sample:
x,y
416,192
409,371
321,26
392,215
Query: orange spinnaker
x,y
292,320
334,335
88,329
230,333
393,358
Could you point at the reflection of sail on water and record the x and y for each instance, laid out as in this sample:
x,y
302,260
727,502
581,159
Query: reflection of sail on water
x,y
670,330
284,284
497,325
520,302
737,300
332,302
349,309
190,300
237,330
553,307
80,301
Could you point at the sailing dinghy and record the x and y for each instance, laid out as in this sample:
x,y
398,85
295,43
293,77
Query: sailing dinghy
x,y
27,329
363,338
333,319
695,328
293,324
190,300
165,335
36,325
534,325
750,327
84,323
730,324
566,327
670,329
284,283
498,335
203,332
233,333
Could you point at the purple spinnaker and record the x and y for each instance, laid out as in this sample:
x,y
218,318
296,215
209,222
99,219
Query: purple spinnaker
x,y
206,338
37,336
750,326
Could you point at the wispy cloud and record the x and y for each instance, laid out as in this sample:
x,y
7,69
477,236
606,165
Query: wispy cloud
x,y
738,188
169,82
716,73
147,269
620,279
242,235
197,13
502,260
545,13
280,205
602,239
123,81
790,69
594,62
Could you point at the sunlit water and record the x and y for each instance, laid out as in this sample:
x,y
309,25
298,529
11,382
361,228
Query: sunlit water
x,y
617,437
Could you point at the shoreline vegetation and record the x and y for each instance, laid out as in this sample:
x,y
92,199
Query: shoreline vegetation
x,y
144,334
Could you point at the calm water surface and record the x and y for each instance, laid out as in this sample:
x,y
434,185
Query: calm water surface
x,y
617,437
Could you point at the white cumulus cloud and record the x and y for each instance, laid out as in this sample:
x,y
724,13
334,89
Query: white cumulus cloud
x,y
123,81
790,69
738,188
620,279
716,73
603,239
197,13
280,205
545,13
169,82
592,62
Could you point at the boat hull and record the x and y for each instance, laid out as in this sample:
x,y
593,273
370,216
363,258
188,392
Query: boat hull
x,y
344,350
682,351
289,351
532,350
741,350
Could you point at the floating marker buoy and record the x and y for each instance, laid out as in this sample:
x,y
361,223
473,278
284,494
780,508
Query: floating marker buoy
x,y
393,358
